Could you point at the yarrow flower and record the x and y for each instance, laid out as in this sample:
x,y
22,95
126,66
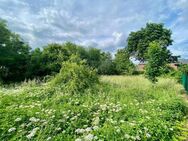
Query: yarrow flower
x,y
89,137
12,129
32,133
33,119
95,127
78,139
88,129
148,135
79,131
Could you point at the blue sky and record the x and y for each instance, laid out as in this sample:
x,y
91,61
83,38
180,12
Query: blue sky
x,y
104,24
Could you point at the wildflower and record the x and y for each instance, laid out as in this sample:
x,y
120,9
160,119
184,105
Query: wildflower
x,y
148,135
89,137
96,121
18,119
95,127
88,129
33,119
78,139
79,131
32,133
58,129
95,137
138,138
12,129
127,136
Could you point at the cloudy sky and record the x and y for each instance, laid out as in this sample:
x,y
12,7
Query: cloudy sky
x,y
103,24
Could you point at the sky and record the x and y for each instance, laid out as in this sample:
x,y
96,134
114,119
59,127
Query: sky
x,y
103,24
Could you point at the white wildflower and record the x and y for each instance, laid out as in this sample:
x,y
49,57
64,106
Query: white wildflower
x,y
32,133
127,136
79,131
89,137
148,135
33,119
58,129
95,127
96,121
88,129
138,138
95,137
78,139
12,129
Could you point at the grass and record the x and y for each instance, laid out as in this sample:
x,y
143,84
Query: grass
x,y
120,108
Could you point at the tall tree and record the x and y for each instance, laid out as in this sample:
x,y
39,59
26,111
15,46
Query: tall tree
x,y
123,63
138,42
157,60
14,55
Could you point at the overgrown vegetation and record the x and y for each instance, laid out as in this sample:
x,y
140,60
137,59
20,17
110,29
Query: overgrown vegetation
x,y
74,104
75,76
121,108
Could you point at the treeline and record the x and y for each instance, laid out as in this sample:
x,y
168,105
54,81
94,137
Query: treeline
x,y
19,62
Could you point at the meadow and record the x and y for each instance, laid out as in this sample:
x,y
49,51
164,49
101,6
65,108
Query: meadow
x,y
126,108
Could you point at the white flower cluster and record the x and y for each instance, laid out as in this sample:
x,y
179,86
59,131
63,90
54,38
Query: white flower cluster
x,y
32,133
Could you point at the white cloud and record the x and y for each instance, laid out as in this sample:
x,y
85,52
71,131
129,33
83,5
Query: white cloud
x,y
102,24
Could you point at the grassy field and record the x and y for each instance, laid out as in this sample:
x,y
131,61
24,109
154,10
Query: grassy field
x,y
120,108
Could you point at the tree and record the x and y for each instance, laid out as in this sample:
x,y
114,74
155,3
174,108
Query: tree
x,y
157,60
107,65
123,63
36,67
94,57
138,42
14,55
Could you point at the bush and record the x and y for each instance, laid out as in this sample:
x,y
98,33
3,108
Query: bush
x,y
75,76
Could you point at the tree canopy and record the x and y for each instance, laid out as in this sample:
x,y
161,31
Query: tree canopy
x,y
14,54
138,42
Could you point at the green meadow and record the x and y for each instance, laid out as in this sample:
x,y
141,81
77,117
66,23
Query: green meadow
x,y
127,108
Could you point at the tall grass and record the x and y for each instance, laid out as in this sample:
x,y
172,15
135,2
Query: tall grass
x,y
119,108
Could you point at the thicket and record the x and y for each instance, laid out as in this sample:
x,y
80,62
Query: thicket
x,y
75,76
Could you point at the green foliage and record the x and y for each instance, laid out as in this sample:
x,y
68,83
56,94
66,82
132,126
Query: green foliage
x,y
75,76
122,62
107,65
14,55
157,60
138,42
184,68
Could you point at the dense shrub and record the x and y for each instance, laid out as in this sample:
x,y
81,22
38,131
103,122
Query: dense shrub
x,y
75,76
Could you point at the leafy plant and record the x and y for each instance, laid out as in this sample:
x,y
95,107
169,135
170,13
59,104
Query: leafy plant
x,y
75,76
